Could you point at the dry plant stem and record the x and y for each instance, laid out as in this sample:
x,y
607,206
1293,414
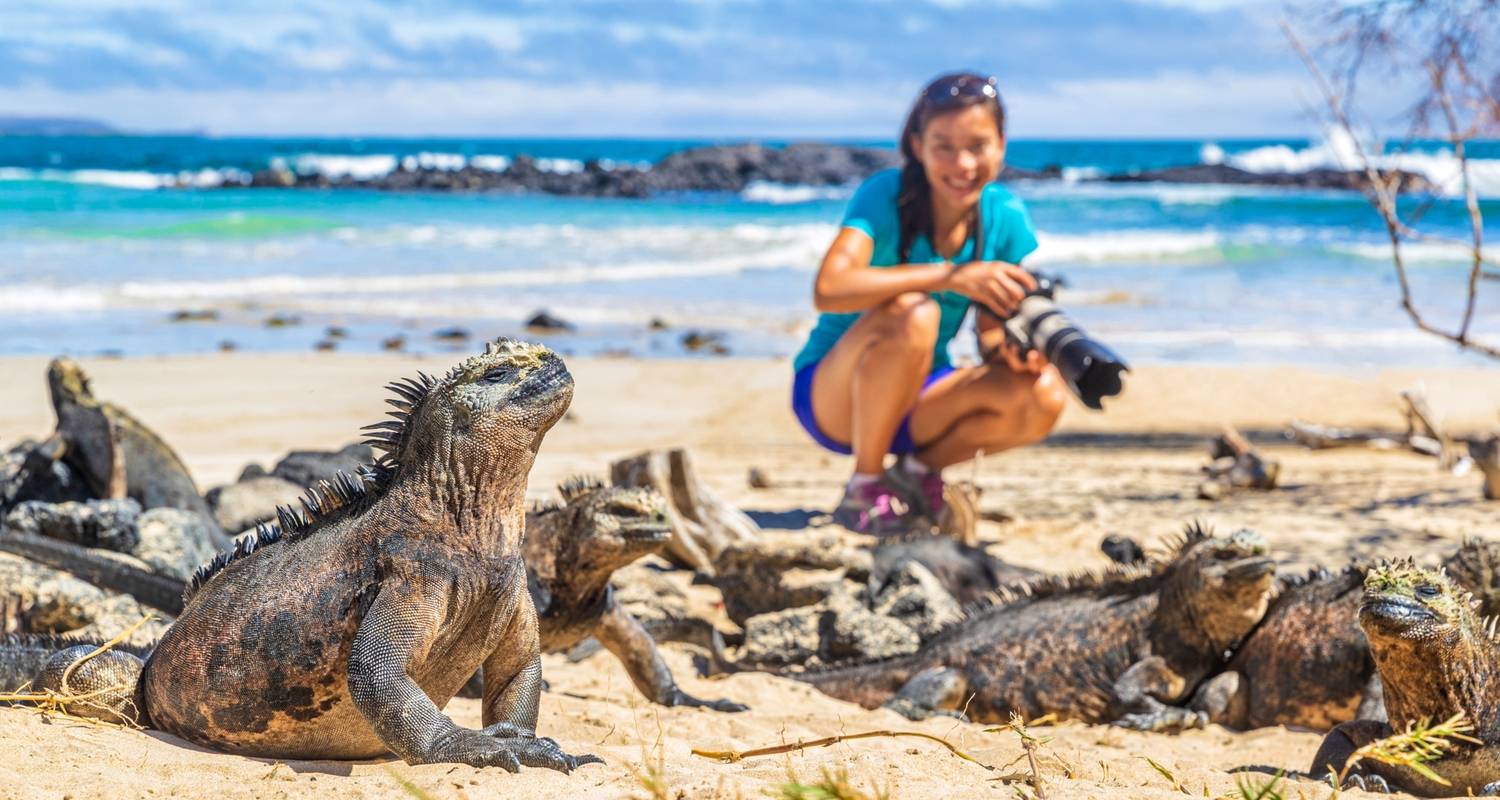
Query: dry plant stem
x,y
1414,747
1382,193
731,756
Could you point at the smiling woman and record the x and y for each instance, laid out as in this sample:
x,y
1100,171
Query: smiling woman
x,y
874,377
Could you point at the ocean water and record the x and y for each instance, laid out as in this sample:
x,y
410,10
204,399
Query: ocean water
x,y
100,246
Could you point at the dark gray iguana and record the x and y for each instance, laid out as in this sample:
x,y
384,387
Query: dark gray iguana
x,y
342,632
1435,656
117,455
1125,647
572,549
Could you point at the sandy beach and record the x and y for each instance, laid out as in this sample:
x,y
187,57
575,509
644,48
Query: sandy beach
x,y
1131,470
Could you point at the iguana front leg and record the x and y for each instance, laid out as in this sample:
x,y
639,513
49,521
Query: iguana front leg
x,y
1475,773
398,629
1137,694
624,636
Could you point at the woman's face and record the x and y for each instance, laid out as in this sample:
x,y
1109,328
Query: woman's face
x,y
961,151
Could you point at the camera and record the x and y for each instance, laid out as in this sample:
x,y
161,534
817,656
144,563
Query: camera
x,y
1090,368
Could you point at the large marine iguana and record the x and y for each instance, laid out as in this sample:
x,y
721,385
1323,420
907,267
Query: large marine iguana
x,y
1120,647
572,549
341,632
1435,656
117,454
1307,664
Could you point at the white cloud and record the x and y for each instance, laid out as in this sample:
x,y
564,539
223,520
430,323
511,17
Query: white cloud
x,y
1173,104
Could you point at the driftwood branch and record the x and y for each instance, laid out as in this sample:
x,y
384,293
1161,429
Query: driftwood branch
x,y
1424,435
1236,464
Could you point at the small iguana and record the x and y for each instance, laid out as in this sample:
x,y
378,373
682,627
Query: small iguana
x,y
342,632
1435,656
572,550
1123,647
116,453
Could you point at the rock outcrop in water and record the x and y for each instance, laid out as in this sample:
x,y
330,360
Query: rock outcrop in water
x,y
732,168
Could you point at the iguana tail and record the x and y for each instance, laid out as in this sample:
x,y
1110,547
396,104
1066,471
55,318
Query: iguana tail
x,y
157,591
23,656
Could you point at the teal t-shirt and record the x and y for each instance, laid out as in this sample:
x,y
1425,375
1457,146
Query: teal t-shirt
x,y
1007,237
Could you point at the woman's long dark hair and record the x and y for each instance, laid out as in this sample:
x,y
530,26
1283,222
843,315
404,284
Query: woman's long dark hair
x,y
946,93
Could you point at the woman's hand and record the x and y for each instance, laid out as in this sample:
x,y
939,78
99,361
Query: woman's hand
x,y
996,284
1032,363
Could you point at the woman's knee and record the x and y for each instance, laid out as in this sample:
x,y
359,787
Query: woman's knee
x,y
914,315
1048,397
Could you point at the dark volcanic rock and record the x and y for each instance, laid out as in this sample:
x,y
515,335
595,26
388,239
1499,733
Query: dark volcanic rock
x,y
109,524
238,506
730,168
31,472
543,321
175,542
1225,174
306,467
968,573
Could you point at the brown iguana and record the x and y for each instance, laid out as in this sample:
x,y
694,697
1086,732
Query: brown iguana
x,y
1307,664
572,549
1121,647
342,632
1435,656
117,455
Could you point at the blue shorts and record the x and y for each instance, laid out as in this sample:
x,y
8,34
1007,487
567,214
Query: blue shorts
x,y
802,406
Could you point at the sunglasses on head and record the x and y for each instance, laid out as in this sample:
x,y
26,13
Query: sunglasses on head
x,y
951,87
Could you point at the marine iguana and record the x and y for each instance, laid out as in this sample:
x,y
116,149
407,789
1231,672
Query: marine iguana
x,y
117,454
342,631
572,549
1119,647
1435,656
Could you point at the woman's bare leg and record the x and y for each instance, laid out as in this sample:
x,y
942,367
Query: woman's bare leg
x,y
989,408
871,377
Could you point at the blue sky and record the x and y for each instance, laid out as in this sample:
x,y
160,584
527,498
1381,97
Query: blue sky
x,y
1083,68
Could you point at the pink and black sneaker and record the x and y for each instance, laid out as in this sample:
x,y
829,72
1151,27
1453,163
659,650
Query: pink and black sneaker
x,y
875,508
924,493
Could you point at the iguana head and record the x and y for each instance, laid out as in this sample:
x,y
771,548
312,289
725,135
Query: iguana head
x,y
1405,603
1218,587
596,530
90,442
67,382
1476,567
488,413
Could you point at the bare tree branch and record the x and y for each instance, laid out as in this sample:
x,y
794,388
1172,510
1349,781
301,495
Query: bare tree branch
x,y
1454,33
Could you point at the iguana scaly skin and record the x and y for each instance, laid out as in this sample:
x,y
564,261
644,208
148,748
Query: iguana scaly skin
x,y
341,633
1306,665
1435,656
572,550
1123,647
116,453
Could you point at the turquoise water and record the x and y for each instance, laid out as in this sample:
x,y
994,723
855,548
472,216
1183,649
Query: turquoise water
x,y
95,256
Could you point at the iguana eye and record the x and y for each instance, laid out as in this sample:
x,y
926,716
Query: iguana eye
x,y
498,374
1226,555
1427,591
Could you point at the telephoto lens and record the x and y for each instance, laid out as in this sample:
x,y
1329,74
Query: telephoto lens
x,y
1090,368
